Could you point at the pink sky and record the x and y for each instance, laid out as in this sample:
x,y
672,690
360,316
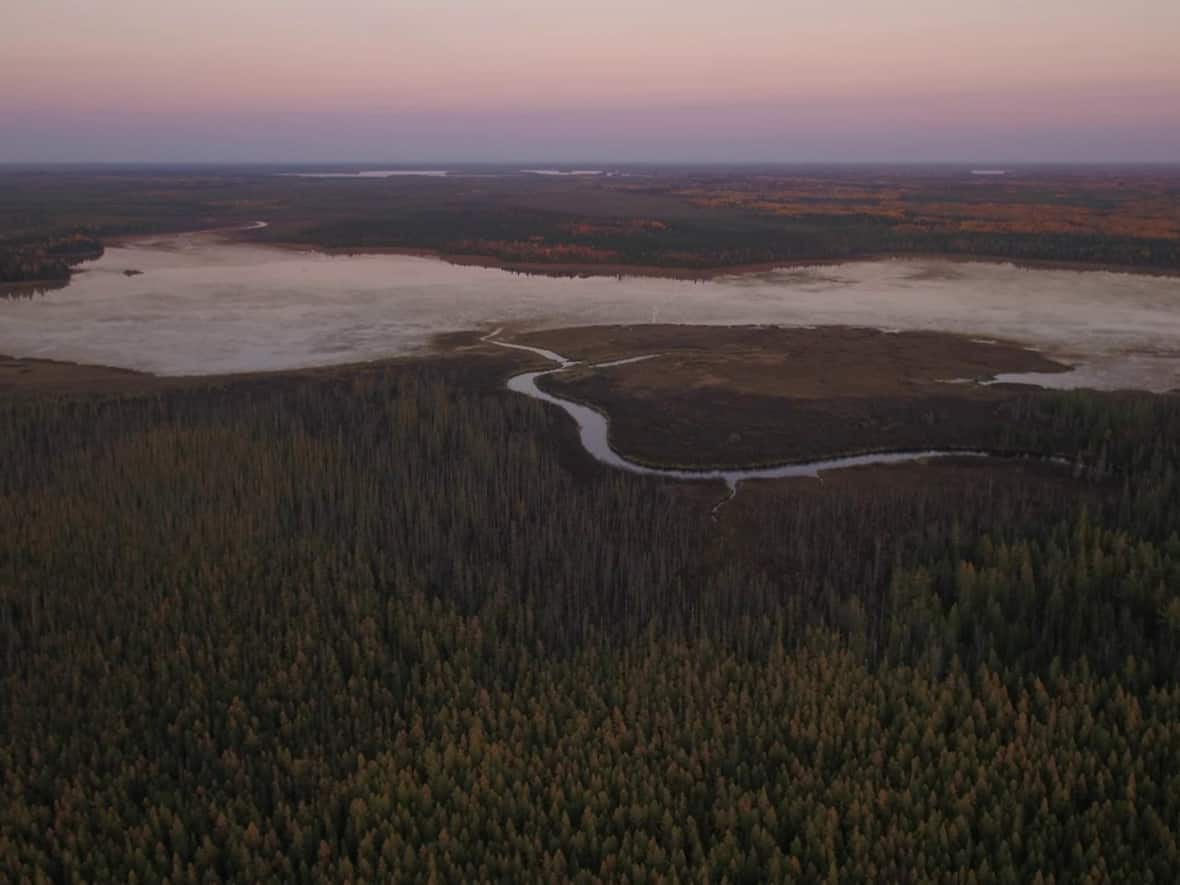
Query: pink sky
x,y
640,80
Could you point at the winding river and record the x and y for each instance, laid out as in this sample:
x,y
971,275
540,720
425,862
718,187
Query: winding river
x,y
594,429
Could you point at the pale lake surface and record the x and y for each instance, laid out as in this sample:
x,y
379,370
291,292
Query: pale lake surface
x,y
203,305
371,173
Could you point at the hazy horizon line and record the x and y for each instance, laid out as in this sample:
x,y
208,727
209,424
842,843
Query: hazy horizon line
x,y
424,164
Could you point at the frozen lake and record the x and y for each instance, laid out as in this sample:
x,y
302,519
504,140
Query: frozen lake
x,y
203,305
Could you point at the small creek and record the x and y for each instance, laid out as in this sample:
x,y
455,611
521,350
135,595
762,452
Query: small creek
x,y
594,430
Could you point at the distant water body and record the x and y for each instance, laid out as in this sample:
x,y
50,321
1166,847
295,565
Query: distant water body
x,y
371,173
561,172
202,305
434,173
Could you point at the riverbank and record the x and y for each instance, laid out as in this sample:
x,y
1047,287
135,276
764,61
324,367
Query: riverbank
x,y
593,424
720,397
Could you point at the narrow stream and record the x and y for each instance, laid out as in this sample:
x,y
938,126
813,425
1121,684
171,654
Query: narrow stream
x,y
594,429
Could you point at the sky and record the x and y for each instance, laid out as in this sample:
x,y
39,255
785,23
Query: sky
x,y
436,81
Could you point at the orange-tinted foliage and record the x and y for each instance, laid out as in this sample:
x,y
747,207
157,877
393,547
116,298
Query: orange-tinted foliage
x,y
1100,207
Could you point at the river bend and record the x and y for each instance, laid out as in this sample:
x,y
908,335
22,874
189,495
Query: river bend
x,y
594,430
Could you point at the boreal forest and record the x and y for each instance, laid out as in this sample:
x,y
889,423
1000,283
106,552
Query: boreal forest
x,y
391,624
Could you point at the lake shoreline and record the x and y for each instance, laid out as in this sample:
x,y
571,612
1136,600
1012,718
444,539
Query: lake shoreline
x,y
240,234
44,375
618,270
30,288
225,301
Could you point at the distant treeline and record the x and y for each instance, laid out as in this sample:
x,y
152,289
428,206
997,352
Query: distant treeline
x,y
392,626
677,219
536,237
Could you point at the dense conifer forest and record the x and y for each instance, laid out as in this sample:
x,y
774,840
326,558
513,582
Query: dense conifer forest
x,y
390,625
